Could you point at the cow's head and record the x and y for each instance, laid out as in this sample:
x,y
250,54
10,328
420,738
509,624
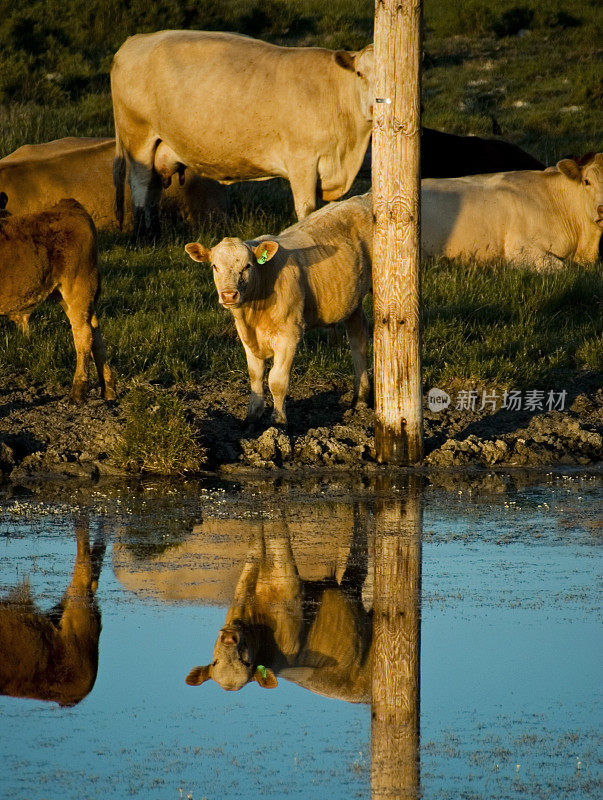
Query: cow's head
x,y
234,663
588,173
362,63
235,264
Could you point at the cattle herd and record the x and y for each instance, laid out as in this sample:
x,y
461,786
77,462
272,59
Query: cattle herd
x,y
300,606
211,109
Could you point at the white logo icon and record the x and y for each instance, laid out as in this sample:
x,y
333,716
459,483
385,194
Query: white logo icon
x,y
437,400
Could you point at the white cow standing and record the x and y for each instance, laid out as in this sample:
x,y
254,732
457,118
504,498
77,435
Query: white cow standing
x,y
237,109
313,274
527,217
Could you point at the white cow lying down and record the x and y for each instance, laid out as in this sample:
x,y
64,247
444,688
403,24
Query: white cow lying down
x,y
526,217
314,273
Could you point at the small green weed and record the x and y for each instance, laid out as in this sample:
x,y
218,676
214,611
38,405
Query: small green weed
x,y
157,436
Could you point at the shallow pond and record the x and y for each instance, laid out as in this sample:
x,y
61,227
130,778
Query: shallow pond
x,y
326,588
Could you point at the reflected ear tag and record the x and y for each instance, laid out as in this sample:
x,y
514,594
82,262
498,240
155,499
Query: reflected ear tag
x,y
260,668
262,260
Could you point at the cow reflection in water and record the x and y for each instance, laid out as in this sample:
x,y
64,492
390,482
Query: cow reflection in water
x,y
54,655
314,633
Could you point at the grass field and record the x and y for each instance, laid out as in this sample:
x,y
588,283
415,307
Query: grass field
x,y
533,67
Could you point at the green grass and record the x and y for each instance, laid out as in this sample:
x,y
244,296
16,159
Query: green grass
x,y
162,323
158,310
157,437
521,62
509,326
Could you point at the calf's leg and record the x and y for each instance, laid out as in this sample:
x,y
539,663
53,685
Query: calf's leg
x,y
278,378
22,321
279,580
357,331
281,569
79,626
105,376
88,341
82,339
246,585
255,367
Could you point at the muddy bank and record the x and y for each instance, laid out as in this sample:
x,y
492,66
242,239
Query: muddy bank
x,y
41,434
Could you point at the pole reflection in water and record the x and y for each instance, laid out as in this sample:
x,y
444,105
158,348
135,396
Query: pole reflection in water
x,y
54,655
396,644
508,621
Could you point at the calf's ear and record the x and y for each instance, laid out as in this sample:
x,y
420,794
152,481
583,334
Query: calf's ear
x,y
570,169
197,252
264,251
265,677
344,59
198,675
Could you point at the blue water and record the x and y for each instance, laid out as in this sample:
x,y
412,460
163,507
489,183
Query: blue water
x,y
511,651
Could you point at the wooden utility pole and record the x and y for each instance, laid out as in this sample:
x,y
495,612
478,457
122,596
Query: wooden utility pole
x,y
396,243
395,726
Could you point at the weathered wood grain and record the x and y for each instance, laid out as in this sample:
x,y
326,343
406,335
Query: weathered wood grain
x,y
395,726
396,214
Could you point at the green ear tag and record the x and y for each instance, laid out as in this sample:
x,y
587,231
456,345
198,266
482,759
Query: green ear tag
x,y
262,260
262,671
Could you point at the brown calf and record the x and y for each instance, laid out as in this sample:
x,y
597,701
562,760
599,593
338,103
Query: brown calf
x,y
55,253
54,656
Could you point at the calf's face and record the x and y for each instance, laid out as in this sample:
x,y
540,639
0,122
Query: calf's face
x,y
233,664
588,172
234,264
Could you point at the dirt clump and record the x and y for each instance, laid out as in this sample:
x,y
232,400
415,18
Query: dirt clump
x,y
346,444
42,434
454,438
573,437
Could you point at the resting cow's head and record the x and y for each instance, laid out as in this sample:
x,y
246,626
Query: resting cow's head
x,y
588,173
233,664
361,63
235,264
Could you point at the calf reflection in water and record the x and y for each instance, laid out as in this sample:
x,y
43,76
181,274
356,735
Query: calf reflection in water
x,y
314,633
54,655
